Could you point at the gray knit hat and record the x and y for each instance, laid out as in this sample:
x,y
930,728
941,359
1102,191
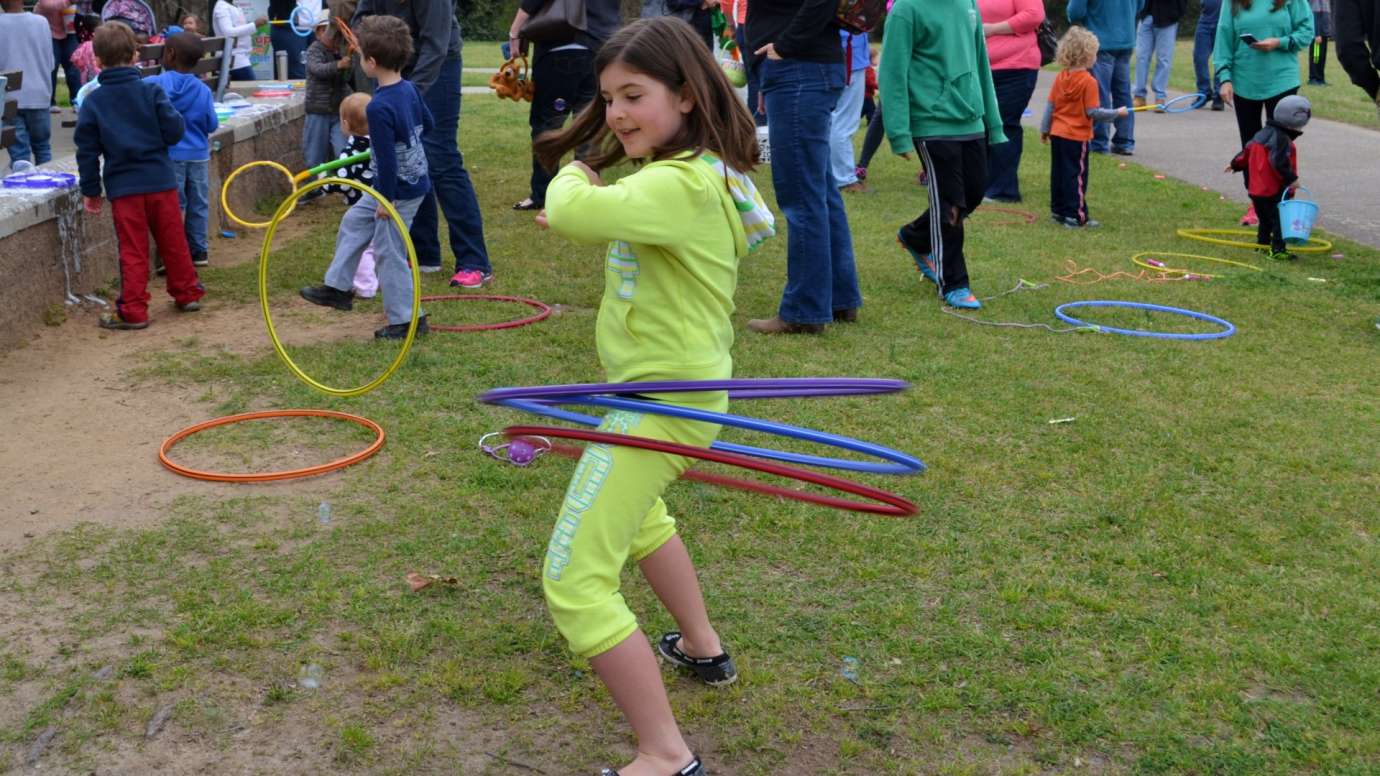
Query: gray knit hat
x,y
1293,112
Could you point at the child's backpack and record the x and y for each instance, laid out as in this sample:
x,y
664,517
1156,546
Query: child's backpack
x,y
857,16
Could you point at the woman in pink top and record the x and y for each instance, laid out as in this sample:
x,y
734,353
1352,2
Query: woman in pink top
x,y
59,15
1015,56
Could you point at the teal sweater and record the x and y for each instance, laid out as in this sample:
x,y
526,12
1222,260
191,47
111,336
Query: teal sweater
x,y
1112,21
1260,75
935,77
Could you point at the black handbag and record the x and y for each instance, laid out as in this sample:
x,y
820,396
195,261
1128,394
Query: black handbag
x,y
1044,36
557,22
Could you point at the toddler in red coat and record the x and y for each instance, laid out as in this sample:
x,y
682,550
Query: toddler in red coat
x,y
1271,165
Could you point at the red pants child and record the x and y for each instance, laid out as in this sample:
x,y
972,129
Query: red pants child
x,y
135,216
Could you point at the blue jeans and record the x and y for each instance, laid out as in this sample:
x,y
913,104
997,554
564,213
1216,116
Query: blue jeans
x,y
1160,41
32,130
62,57
284,39
321,138
450,183
1014,89
1113,74
820,274
843,124
193,181
1204,38
750,62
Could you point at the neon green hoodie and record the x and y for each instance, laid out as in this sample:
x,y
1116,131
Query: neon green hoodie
x,y
935,78
676,230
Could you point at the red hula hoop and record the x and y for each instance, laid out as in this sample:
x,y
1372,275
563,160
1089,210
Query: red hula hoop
x,y
890,503
543,311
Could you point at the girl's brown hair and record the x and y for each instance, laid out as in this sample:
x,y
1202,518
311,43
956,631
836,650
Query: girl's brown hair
x,y
1238,5
668,50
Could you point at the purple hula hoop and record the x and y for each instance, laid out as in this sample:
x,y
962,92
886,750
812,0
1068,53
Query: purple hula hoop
x,y
774,388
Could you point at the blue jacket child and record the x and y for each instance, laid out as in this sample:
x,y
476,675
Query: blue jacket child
x,y
192,154
130,122
127,125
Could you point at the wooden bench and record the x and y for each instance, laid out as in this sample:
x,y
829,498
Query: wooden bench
x,y
10,109
213,68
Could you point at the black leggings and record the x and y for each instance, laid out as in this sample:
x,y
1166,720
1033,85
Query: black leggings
x,y
1248,119
873,139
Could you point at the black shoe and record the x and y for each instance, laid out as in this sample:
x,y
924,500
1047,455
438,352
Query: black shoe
x,y
716,671
397,331
846,316
1218,105
695,768
200,260
326,296
311,195
1123,152
189,307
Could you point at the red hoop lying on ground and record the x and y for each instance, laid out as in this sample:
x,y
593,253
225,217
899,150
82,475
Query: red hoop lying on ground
x,y
1022,217
890,503
543,311
287,474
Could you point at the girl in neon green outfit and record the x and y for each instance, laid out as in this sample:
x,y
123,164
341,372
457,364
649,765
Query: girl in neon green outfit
x,y
675,230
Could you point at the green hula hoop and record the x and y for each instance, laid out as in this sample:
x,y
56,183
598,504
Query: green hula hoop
x,y
283,210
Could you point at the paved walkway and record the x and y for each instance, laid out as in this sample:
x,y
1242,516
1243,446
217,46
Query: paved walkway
x,y
1339,163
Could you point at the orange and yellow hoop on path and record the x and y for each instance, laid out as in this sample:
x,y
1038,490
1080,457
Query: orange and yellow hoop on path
x,y
286,474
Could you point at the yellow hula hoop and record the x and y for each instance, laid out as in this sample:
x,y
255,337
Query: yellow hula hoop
x,y
286,208
1139,262
1314,245
225,191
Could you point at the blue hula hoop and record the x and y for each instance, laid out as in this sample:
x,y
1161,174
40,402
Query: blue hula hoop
x,y
541,400
1197,98
292,23
1228,328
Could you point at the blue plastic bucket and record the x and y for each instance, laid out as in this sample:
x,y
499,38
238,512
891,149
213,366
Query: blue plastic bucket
x,y
1296,218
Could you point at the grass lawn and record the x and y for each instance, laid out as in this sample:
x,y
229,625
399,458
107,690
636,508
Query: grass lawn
x,y
1180,580
1338,101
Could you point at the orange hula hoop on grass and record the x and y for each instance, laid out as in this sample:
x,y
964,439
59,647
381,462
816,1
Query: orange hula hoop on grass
x,y
286,474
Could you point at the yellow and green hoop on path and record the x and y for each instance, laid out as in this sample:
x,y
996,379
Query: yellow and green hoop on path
x,y
1314,245
283,210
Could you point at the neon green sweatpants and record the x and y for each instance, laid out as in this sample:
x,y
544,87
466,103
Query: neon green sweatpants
x,y
612,511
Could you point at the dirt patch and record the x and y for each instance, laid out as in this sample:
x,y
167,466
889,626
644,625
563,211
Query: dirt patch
x,y
81,437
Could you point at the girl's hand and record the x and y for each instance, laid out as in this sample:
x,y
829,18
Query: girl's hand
x,y
344,64
589,172
1269,44
769,51
1225,92
541,220
92,204
380,212
905,156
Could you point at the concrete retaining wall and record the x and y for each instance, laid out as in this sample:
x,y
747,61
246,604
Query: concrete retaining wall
x,y
53,253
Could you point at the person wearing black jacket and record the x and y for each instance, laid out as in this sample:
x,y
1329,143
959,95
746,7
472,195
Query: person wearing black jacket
x,y
1156,33
1356,24
435,72
563,77
285,39
802,75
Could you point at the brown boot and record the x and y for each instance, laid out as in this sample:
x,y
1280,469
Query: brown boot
x,y
775,325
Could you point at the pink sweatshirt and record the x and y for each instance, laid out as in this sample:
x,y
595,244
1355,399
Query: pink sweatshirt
x,y
1018,51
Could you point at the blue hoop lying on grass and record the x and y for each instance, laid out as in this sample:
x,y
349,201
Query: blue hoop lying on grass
x,y
1227,328
541,400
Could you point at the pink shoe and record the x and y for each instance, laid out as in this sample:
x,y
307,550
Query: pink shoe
x,y
1250,219
471,278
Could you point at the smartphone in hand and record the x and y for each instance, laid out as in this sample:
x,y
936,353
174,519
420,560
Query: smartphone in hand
x,y
1248,39
506,50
